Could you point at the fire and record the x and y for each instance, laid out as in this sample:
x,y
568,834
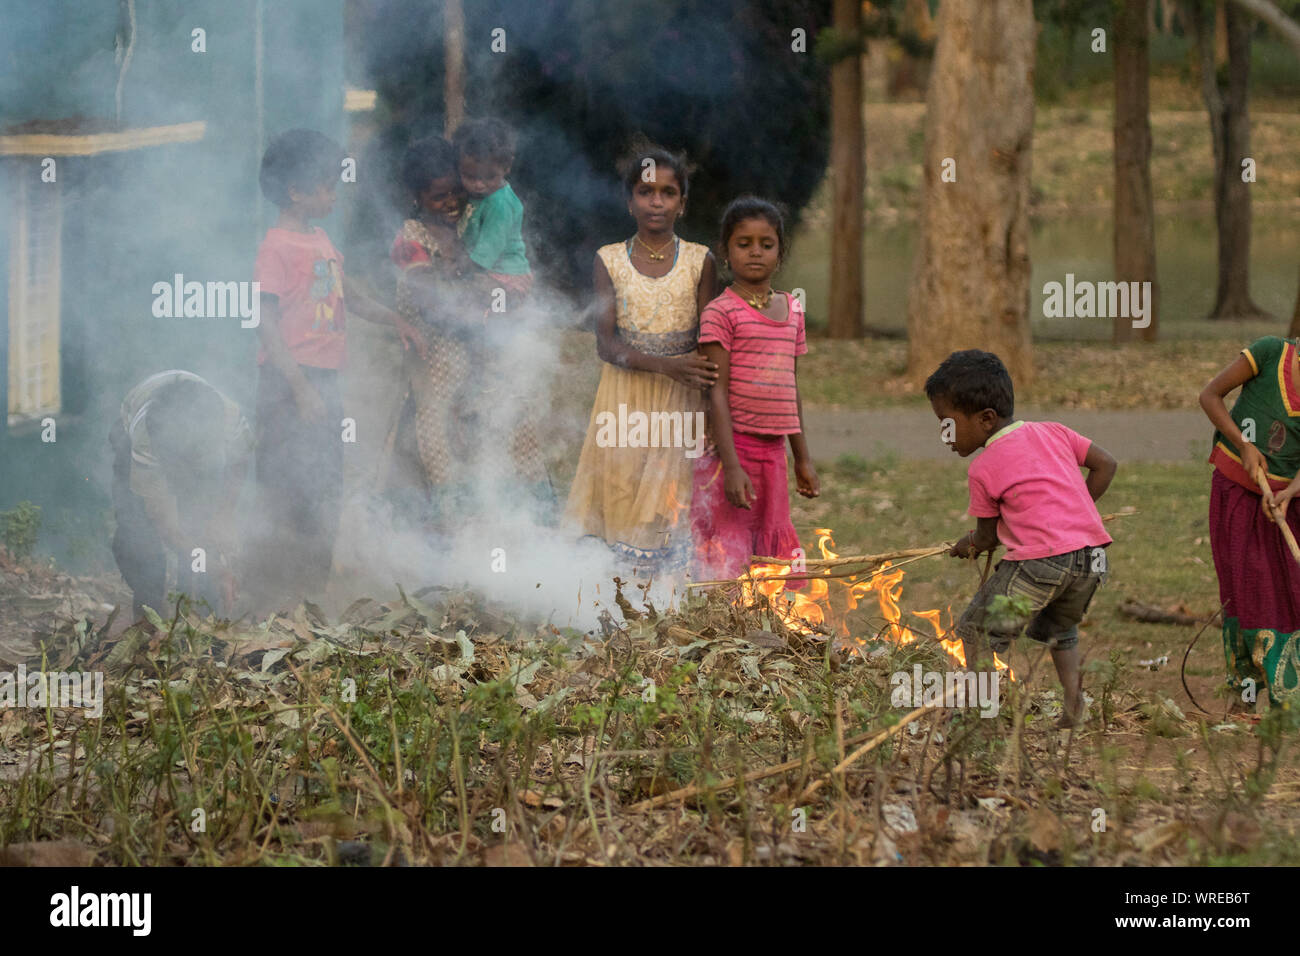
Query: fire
x,y
818,605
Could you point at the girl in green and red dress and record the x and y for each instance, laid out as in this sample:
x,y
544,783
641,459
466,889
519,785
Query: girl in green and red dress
x,y
1259,581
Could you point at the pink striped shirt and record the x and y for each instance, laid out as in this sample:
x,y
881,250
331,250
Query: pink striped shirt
x,y
763,397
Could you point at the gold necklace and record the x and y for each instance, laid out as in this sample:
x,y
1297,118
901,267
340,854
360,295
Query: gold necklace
x,y
655,254
759,300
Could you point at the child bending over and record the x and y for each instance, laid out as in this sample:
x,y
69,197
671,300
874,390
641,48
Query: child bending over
x,y
1027,494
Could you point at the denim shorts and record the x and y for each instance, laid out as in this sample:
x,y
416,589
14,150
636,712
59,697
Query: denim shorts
x,y
1058,588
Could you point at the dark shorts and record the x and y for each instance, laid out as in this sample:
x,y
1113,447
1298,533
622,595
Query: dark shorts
x,y
300,482
1058,588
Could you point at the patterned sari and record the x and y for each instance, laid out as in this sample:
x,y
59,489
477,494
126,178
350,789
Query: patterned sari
x,y
448,394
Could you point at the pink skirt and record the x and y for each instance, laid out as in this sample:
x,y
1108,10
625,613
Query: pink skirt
x,y
726,537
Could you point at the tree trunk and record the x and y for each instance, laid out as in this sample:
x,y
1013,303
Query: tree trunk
x,y
453,58
1168,11
1288,30
1228,106
1220,34
970,279
1134,216
847,164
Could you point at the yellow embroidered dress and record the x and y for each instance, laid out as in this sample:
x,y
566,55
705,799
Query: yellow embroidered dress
x,y
638,499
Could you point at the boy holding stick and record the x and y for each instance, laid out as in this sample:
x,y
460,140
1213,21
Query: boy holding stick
x,y
1027,493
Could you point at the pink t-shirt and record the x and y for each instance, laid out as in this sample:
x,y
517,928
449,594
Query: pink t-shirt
x,y
763,397
306,272
1028,477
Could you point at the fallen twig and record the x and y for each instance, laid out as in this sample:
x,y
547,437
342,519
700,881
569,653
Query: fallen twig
x,y
870,745
1148,614
685,793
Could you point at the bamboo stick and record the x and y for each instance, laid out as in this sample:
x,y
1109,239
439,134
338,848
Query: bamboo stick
x,y
850,559
1278,519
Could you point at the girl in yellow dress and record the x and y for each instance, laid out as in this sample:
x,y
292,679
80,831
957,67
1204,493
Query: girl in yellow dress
x,y
633,484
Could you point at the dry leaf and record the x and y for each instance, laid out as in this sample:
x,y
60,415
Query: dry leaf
x,y
507,854
1044,829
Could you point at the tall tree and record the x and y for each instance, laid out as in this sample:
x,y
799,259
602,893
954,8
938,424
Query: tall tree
x,y
1289,30
453,58
1134,215
847,172
1227,101
970,279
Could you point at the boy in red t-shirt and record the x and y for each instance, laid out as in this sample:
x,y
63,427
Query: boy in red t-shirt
x,y
303,347
1027,493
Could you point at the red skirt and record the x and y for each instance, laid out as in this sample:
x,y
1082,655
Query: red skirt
x,y
724,536
1259,583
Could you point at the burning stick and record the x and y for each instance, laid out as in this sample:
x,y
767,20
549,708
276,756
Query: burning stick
x,y
857,561
1278,518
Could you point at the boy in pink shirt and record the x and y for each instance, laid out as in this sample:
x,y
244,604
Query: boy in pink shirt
x,y
1027,493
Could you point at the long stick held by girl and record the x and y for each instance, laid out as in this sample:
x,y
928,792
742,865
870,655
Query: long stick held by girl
x,y
1259,582
741,504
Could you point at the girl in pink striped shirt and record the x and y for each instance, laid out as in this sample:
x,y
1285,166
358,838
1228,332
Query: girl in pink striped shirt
x,y
741,503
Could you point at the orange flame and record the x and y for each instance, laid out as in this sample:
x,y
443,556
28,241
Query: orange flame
x,y
812,610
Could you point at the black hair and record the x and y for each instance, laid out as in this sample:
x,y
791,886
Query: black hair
x,y
752,207
426,160
300,158
487,138
186,423
631,166
972,381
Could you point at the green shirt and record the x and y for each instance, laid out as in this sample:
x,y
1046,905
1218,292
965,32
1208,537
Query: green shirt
x,y
1268,409
493,234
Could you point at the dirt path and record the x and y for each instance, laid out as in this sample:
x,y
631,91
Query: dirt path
x,y
914,432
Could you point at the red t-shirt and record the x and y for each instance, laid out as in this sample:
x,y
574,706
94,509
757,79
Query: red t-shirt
x,y
306,272
763,396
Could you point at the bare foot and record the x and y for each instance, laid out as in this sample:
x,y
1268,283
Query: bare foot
x,y
1071,715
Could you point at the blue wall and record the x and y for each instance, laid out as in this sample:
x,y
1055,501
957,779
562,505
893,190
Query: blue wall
x,y
134,218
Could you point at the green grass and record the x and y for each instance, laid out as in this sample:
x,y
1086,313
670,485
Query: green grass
x,y
1163,375
1161,554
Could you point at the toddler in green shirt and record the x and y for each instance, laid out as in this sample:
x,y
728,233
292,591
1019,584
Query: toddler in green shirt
x,y
493,234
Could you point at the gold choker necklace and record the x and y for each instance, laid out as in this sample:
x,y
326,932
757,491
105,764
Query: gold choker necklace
x,y
655,254
759,300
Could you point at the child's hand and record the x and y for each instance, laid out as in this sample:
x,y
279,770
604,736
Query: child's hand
x,y
410,336
1252,459
692,370
806,480
311,407
964,548
740,490
1279,502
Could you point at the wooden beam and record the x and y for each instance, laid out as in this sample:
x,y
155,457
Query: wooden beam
x,y
90,144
